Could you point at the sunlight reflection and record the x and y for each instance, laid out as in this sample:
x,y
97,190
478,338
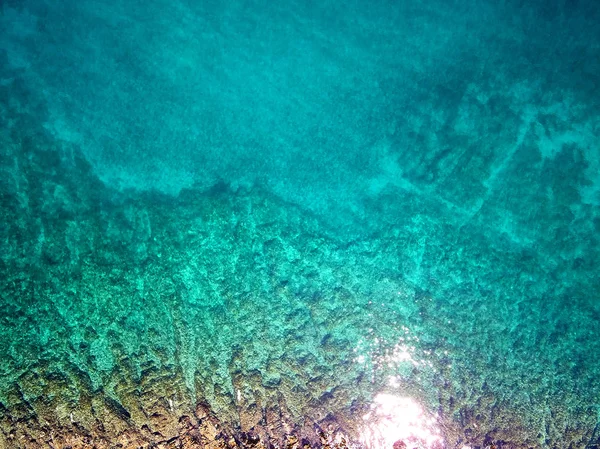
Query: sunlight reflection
x,y
398,360
396,422
378,355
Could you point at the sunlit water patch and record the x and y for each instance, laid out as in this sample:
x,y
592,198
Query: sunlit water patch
x,y
396,358
400,423
397,418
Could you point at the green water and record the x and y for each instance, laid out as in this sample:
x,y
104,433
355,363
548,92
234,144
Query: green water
x,y
378,220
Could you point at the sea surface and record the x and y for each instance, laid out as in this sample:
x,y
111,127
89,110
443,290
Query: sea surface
x,y
292,224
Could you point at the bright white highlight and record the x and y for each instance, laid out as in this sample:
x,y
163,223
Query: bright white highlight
x,y
395,419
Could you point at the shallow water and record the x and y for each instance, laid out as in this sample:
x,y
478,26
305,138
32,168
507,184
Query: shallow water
x,y
275,224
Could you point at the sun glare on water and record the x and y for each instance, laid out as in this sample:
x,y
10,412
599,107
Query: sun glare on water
x,y
396,422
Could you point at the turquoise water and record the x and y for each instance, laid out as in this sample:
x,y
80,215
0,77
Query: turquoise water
x,y
260,224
